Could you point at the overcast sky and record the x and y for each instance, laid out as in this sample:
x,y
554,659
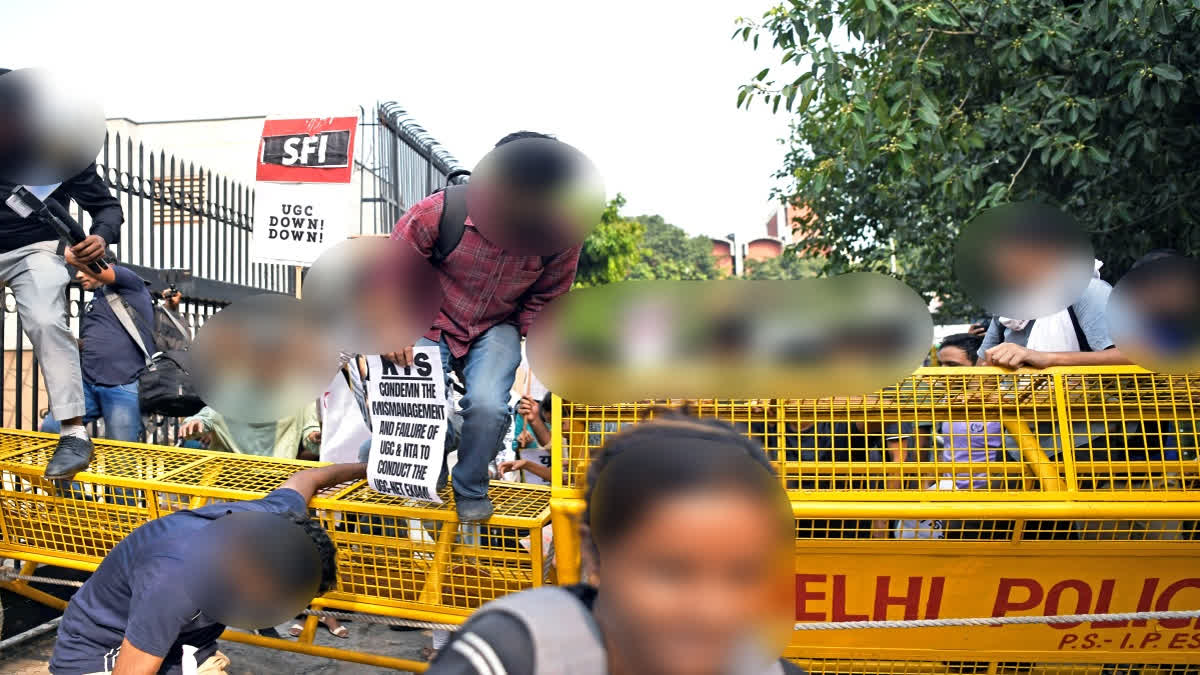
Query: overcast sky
x,y
646,88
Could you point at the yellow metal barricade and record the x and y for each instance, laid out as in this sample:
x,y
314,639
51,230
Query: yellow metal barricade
x,y
1087,504
396,558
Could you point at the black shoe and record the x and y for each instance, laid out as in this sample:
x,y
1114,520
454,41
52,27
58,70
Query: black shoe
x,y
269,632
403,628
72,455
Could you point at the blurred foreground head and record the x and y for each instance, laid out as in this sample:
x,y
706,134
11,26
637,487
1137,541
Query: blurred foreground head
x,y
848,335
535,195
1024,261
257,569
372,294
51,126
1154,313
691,540
262,359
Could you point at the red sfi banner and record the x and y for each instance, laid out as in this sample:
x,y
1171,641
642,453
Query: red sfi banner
x,y
312,150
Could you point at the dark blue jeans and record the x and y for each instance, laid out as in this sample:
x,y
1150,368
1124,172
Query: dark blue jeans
x,y
488,370
117,405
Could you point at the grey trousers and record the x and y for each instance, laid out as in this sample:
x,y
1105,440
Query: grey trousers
x,y
38,277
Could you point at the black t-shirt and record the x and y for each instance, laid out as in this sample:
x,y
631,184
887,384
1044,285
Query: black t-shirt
x,y
141,594
86,188
512,644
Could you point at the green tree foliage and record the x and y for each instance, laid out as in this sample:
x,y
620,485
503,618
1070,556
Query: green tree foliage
x,y
611,249
790,265
669,253
911,117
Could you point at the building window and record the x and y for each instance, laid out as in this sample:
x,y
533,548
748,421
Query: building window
x,y
181,201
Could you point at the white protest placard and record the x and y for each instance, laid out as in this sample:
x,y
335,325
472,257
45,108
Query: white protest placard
x,y
294,223
408,425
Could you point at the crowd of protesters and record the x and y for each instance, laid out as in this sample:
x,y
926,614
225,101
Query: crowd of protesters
x,y
498,430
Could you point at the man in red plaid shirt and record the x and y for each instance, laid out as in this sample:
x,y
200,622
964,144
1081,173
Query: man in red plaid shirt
x,y
490,299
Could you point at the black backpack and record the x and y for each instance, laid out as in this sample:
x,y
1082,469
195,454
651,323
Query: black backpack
x,y
453,221
165,385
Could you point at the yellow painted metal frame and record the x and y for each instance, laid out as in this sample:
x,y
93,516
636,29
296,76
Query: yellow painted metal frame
x,y
396,558
1041,488
1053,490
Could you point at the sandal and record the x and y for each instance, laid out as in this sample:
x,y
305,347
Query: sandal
x,y
296,629
339,632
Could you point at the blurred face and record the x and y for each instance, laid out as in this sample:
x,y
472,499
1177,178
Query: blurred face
x,y
954,356
693,577
88,283
1023,264
255,570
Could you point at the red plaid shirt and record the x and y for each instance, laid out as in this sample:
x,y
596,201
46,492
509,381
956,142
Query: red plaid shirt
x,y
482,285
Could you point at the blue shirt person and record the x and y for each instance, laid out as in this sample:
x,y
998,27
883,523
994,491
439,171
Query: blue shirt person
x,y
143,604
110,358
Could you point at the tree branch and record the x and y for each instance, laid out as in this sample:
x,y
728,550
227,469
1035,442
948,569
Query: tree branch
x,y
1019,170
959,108
961,16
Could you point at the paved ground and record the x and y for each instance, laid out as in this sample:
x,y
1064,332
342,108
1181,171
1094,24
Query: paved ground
x,y
30,658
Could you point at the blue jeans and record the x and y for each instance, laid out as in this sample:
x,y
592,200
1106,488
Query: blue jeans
x,y
488,370
117,405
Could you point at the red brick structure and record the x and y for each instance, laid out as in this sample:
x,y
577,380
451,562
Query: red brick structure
x,y
723,251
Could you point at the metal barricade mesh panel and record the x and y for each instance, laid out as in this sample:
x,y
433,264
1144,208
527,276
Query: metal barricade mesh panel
x,y
391,552
949,529
1135,432
953,434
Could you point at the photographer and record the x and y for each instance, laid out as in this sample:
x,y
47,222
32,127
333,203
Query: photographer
x,y
170,328
111,360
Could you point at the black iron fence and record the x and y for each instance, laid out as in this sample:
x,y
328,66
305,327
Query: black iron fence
x,y
400,164
181,215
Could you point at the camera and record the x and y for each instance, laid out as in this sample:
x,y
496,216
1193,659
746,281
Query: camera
x,y
178,280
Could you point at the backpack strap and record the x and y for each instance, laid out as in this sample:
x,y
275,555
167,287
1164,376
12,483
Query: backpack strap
x,y
566,638
175,322
125,315
451,224
1079,334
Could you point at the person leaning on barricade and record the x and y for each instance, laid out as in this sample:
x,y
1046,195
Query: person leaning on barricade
x,y
1077,335
166,592
973,445
285,438
491,298
665,599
